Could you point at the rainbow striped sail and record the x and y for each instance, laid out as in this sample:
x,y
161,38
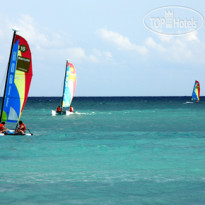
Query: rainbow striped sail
x,y
196,92
69,85
18,80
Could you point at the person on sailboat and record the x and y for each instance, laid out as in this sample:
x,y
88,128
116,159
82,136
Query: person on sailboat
x,y
21,129
2,128
71,109
59,109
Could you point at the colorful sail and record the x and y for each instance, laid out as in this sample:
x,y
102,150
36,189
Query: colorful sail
x,y
196,92
18,81
70,84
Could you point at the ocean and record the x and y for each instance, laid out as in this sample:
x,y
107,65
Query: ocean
x,y
112,150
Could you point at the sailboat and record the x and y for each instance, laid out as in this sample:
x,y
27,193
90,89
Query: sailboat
x,y
17,84
196,92
68,90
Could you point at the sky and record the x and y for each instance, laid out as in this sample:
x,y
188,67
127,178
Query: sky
x,y
112,50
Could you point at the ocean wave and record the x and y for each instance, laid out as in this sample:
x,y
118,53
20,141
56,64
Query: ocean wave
x,y
83,176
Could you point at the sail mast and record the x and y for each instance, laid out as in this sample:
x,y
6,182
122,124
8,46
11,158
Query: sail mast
x,y
14,35
64,83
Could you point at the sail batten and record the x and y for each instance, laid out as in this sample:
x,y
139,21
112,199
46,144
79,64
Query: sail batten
x,y
69,85
196,92
18,80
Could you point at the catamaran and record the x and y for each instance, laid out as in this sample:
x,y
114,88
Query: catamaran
x,y
68,90
17,84
196,92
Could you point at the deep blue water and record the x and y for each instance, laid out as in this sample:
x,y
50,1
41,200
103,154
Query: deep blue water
x,y
113,150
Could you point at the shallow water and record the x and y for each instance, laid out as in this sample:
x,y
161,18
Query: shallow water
x,y
110,151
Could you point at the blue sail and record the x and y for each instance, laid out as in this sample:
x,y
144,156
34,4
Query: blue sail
x,y
196,92
69,85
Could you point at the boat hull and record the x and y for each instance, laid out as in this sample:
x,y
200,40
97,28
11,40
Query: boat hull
x,y
12,132
66,112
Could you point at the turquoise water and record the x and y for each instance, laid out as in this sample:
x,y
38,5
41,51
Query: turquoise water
x,y
111,151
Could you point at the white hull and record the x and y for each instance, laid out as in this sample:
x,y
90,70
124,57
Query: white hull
x,y
11,132
53,112
67,112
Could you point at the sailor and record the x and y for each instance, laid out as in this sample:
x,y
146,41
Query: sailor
x,y
71,109
58,109
2,128
21,129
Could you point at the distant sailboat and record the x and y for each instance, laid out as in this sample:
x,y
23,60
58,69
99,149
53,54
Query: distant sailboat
x,y
18,79
68,89
196,92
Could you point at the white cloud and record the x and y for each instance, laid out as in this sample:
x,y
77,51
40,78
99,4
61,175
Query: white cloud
x,y
102,54
181,49
97,52
108,54
122,42
178,49
76,53
151,43
95,56
165,38
192,36
47,44
41,38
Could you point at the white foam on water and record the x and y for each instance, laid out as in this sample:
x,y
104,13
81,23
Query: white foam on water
x,y
83,113
188,103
